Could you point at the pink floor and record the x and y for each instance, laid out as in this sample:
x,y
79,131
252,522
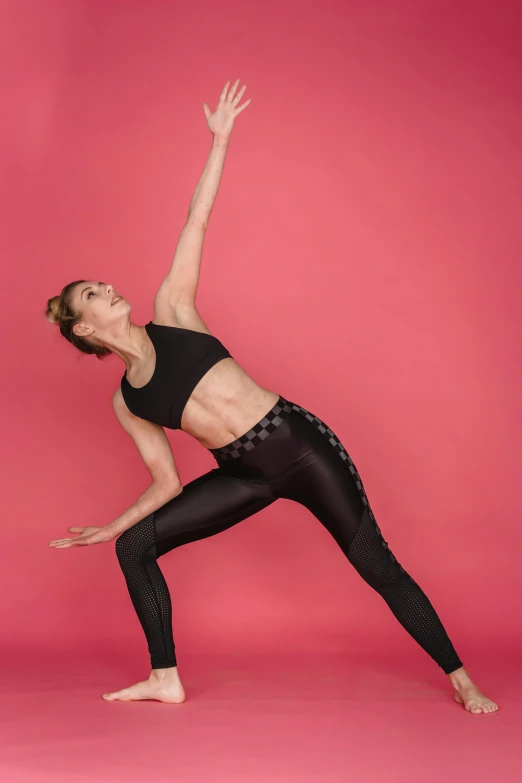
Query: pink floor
x,y
293,716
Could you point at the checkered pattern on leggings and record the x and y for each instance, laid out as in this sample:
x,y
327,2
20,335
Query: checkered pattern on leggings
x,y
258,433
273,419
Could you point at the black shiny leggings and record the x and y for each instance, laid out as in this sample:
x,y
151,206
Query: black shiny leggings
x,y
290,454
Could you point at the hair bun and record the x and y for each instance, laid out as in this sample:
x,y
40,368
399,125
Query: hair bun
x,y
53,310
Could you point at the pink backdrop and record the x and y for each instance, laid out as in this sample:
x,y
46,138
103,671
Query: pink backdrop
x,y
362,259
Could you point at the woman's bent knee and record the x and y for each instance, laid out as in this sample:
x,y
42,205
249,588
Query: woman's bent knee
x,y
137,542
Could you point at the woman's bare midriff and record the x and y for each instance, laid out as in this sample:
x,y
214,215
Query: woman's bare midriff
x,y
225,404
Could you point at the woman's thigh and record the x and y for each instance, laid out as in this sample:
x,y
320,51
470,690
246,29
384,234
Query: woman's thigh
x,y
326,481
208,505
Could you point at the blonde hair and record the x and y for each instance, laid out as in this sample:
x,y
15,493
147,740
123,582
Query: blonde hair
x,y
60,311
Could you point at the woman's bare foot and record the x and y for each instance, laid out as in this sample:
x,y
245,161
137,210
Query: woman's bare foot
x,y
468,694
162,685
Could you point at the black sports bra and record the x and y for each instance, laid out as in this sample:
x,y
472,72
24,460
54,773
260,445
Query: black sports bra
x,y
183,356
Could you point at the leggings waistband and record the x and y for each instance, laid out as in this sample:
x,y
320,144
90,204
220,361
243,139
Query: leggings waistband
x,y
256,434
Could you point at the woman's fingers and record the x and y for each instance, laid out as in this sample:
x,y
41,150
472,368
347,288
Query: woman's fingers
x,y
83,538
223,95
238,111
238,96
65,541
232,91
58,542
229,97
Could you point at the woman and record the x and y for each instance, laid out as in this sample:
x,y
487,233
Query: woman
x,y
180,376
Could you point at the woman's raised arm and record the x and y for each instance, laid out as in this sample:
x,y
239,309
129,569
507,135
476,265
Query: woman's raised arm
x,y
220,124
180,284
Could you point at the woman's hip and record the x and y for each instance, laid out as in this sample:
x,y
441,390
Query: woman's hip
x,y
279,443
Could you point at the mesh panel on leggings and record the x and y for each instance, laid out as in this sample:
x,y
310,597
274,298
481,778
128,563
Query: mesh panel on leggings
x,y
410,605
136,552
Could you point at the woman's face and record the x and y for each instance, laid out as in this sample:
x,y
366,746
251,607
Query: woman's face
x,y
95,302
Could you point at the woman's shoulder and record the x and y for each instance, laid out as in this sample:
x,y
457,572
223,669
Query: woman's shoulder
x,y
183,316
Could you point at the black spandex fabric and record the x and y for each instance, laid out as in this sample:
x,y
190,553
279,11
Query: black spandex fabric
x,y
183,357
290,454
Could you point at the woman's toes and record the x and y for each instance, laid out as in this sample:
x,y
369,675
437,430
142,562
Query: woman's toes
x,y
114,695
475,701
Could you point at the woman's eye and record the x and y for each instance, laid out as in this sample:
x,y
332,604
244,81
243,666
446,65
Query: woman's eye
x,y
88,295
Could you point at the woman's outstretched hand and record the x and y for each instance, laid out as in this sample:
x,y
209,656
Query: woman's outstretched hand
x,y
221,121
88,536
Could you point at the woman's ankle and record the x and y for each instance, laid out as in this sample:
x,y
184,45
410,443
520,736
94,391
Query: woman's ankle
x,y
459,677
167,673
